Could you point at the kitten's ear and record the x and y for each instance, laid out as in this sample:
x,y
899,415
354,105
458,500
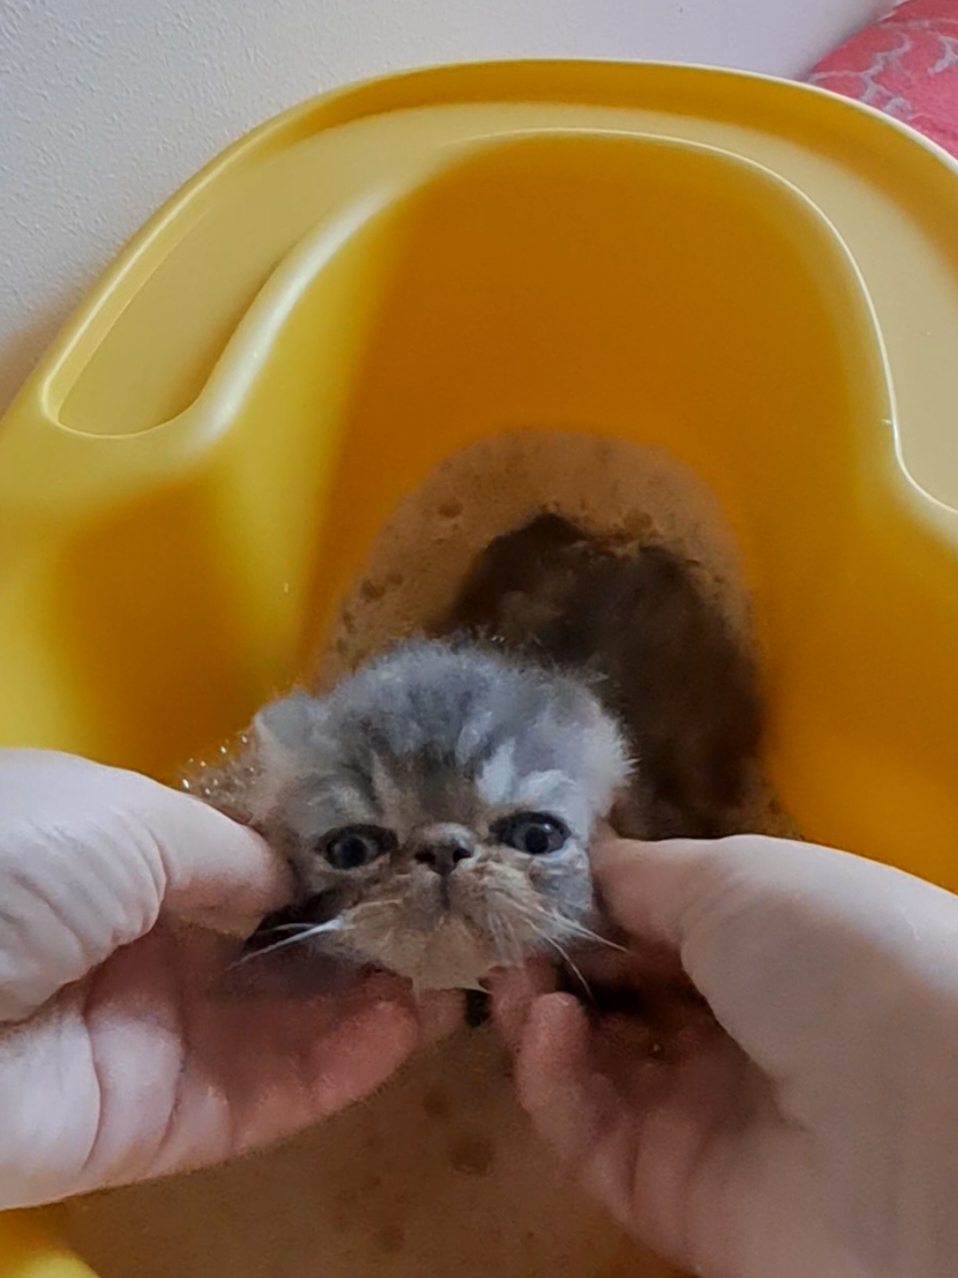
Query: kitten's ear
x,y
277,750
283,735
284,731
288,723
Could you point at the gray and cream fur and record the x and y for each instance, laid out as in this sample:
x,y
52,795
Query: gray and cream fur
x,y
436,806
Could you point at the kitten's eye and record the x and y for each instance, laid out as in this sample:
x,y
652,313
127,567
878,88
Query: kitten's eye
x,y
537,833
357,845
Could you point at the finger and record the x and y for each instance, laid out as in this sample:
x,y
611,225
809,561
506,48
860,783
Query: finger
x,y
572,1106
755,922
630,1127
277,1069
441,1012
359,1054
647,888
784,940
579,1111
664,891
90,855
144,845
513,991
214,870
438,1013
729,910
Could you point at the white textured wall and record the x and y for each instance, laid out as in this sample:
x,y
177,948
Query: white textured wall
x,y
106,106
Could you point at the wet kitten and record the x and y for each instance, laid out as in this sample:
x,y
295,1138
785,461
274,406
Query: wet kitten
x,y
436,808
437,805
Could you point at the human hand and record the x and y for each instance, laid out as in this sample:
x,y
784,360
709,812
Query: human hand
x,y
120,1057
811,1127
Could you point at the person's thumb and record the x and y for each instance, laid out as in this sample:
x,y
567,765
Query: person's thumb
x,y
90,856
784,940
213,871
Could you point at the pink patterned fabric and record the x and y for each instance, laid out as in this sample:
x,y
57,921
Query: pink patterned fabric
x,y
905,65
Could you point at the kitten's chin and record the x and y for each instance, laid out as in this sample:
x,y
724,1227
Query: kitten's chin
x,y
451,955
450,935
430,941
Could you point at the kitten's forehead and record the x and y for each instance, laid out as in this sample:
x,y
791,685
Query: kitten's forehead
x,y
401,792
460,706
432,732
422,789
502,782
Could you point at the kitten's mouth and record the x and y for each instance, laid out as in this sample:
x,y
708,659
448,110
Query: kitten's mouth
x,y
450,938
450,912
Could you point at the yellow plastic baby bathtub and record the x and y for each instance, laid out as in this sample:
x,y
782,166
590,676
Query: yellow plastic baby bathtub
x,y
757,275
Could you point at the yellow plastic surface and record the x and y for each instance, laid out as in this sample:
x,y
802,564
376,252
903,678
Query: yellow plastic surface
x,y
755,274
31,1247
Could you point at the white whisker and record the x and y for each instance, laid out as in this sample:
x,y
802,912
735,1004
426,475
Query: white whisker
x,y
509,944
287,927
564,925
579,929
316,929
516,948
494,925
565,957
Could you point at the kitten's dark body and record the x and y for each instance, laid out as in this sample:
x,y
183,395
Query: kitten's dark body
x,y
659,654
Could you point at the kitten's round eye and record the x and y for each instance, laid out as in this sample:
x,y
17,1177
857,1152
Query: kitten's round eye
x,y
537,833
357,845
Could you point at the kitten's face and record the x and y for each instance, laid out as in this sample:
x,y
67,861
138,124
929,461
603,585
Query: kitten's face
x,y
439,804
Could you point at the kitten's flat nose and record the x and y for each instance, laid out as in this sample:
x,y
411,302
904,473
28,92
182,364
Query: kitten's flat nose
x,y
443,845
443,857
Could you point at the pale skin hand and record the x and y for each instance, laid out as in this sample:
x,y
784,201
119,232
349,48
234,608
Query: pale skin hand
x,y
813,1135
121,1057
